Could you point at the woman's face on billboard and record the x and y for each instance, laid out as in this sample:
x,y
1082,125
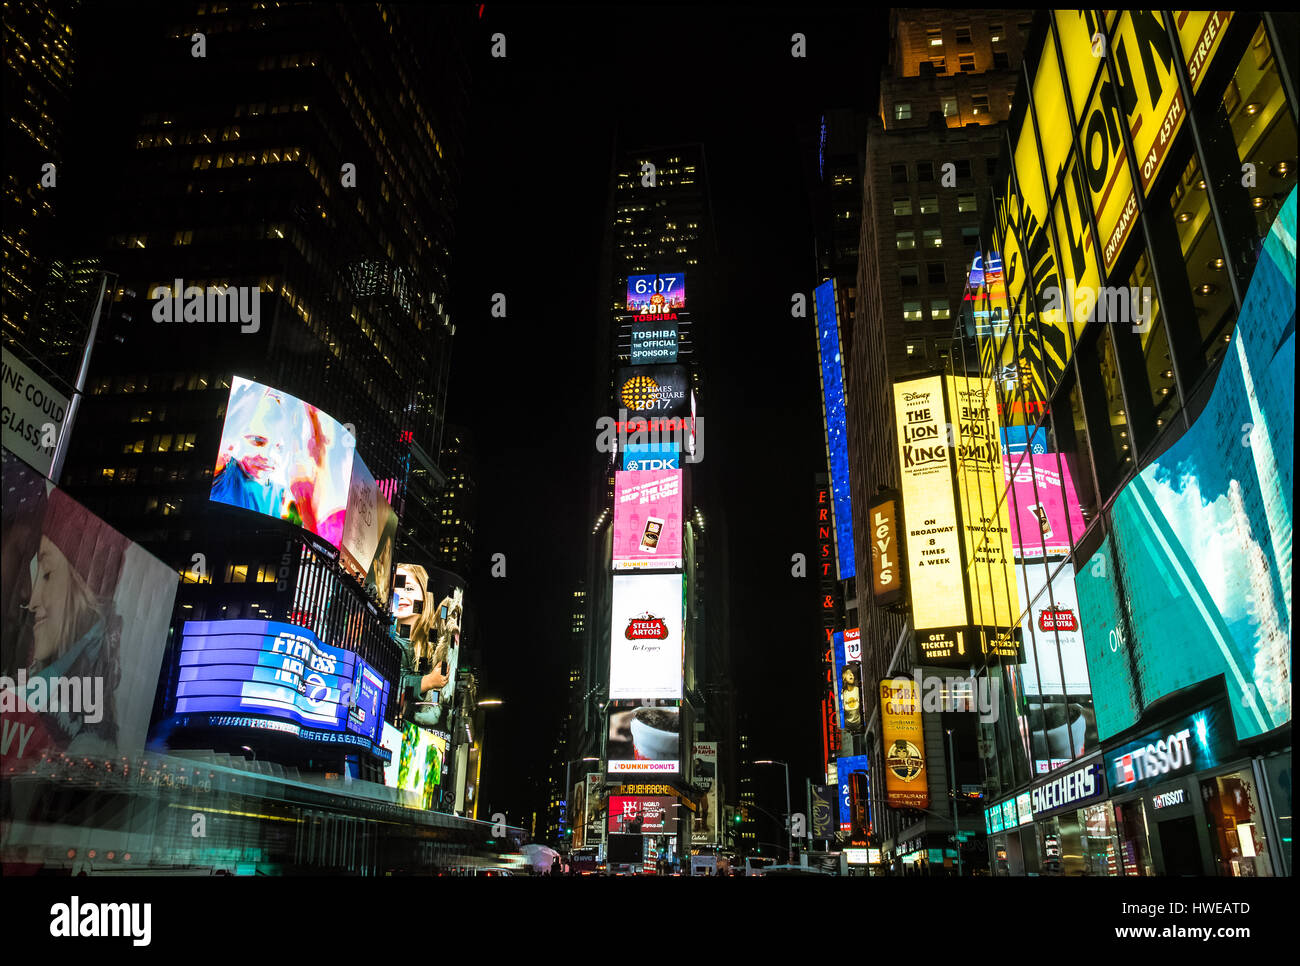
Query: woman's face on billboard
x,y
408,593
50,588
260,447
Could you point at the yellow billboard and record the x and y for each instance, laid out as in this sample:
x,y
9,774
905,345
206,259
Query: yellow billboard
x,y
906,781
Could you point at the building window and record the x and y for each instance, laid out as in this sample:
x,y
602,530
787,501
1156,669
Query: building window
x,y
995,32
912,312
905,240
966,63
963,168
909,276
898,173
979,103
924,171
932,238
965,202
236,573
963,35
991,166
902,112
970,235
949,107
1001,60
935,274
934,36
902,206
939,309
939,64
929,204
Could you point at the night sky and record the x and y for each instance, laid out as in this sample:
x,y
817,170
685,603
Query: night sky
x,y
543,123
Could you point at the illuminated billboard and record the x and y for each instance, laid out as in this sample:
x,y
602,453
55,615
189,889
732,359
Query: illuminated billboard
x,y
886,564
643,814
284,458
647,520
653,390
654,342
1203,535
419,763
704,771
848,666
847,769
906,781
656,298
277,670
644,740
646,642
369,532
85,613
1044,505
428,611
651,456
826,306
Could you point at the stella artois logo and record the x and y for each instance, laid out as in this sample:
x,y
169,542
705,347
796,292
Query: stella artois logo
x,y
1057,619
646,627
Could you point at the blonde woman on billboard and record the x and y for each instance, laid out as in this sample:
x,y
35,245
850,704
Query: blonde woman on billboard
x,y
426,650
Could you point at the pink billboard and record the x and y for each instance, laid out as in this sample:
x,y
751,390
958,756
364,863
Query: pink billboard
x,y
648,520
1042,500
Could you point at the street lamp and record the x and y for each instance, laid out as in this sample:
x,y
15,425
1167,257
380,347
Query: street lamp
x,y
789,819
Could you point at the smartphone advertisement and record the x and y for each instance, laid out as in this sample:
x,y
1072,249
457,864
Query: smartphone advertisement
x,y
648,520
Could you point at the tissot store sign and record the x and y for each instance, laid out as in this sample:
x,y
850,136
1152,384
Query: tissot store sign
x,y
1184,746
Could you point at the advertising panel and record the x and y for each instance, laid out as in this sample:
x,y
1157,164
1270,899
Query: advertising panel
x,y
845,769
826,305
85,614
848,667
656,298
392,743
654,342
1069,790
284,458
824,812
1045,505
906,780
990,574
1106,638
369,701
369,532
828,588
1190,744
653,390
420,763
264,667
646,642
886,565
647,520
642,814
644,740
1199,33
704,830
429,612
651,456
593,809
934,564
30,405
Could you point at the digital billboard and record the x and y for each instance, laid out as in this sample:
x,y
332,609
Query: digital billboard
x,y
644,814
651,456
654,342
1044,505
643,740
284,458
826,306
848,667
704,771
656,298
647,520
369,532
653,390
901,734
85,614
646,642
420,762
1203,534
845,769
886,564
428,612
278,670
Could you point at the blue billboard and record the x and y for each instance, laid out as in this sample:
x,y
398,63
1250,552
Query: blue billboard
x,y
1202,536
651,456
833,415
845,769
280,671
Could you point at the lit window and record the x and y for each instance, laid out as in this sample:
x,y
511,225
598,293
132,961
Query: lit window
x,y
939,309
902,206
905,240
933,238
949,106
912,312
902,112
929,204
966,202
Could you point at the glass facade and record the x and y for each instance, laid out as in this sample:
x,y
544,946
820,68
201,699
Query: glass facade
x,y
1130,235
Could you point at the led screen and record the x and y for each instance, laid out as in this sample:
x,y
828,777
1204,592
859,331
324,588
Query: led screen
x,y
428,612
704,771
647,520
654,342
420,762
85,614
651,456
652,390
656,297
833,414
369,532
284,458
647,814
644,739
646,645
845,769
369,701
1043,501
1203,534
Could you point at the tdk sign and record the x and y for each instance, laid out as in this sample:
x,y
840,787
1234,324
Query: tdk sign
x,y
651,456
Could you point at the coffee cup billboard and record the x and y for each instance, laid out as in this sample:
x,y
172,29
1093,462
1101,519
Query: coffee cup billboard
x,y
644,740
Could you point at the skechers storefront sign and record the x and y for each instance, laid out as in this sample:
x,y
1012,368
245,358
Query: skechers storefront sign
x,y
1073,789
1199,741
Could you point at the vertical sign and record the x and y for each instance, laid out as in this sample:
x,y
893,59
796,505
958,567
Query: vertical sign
x,y
826,307
906,784
886,565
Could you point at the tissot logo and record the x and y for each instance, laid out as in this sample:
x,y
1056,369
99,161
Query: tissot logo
x,y
647,627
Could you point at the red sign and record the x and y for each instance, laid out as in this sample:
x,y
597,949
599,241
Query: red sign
x,y
646,627
1058,619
